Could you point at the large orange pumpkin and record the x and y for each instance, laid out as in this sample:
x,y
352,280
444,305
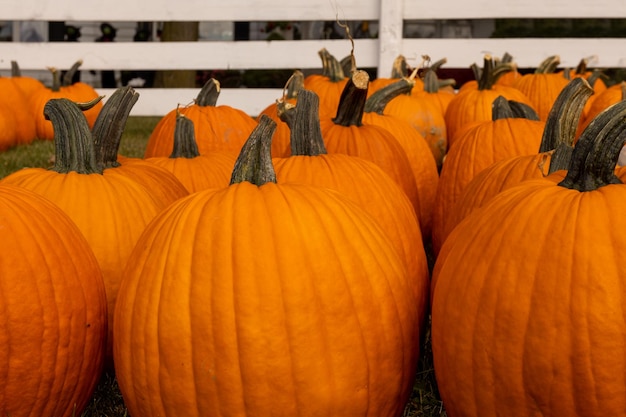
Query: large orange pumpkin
x,y
346,133
360,180
528,310
554,154
52,310
265,299
110,207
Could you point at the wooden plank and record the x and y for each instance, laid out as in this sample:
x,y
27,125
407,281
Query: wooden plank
x,y
160,101
528,53
513,9
188,10
183,55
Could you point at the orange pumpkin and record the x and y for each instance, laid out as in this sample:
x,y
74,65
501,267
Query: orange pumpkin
x,y
479,145
196,172
517,281
347,134
329,84
360,180
52,310
78,92
203,298
217,127
554,155
86,190
543,86
473,103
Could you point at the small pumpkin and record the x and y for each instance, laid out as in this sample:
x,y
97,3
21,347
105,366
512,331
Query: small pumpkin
x,y
217,127
79,92
195,171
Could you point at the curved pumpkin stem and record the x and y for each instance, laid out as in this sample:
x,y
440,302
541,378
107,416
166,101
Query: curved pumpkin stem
x,y
185,144
548,65
380,98
306,133
595,155
331,67
294,85
491,72
69,75
560,130
209,93
506,109
352,102
74,150
254,163
109,126
400,67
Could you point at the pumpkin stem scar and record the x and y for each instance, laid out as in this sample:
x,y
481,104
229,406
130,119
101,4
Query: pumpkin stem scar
x,y
254,163
595,155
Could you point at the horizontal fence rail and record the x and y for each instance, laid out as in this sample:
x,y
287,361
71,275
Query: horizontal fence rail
x,y
389,16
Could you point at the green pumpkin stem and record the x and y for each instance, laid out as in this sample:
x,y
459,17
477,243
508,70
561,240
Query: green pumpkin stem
x,y
562,123
380,98
185,144
15,69
596,153
400,67
74,149
491,72
502,108
109,125
69,74
548,65
331,67
209,93
254,163
352,101
306,133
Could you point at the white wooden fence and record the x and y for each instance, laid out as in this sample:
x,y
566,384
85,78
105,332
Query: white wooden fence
x,y
302,54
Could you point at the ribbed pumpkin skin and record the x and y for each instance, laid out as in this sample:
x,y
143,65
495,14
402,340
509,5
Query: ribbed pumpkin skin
x,y
479,145
373,190
222,128
265,301
535,326
111,210
542,90
52,310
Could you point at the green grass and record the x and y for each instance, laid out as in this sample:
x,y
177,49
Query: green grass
x,y
107,400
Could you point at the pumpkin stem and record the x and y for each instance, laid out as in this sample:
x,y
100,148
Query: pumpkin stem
x,y
69,75
400,67
74,149
595,155
380,98
56,79
306,133
491,72
548,65
560,130
501,108
331,67
185,145
15,69
109,125
208,94
352,101
293,86
254,163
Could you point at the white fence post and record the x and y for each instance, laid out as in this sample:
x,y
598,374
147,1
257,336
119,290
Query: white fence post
x,y
389,35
